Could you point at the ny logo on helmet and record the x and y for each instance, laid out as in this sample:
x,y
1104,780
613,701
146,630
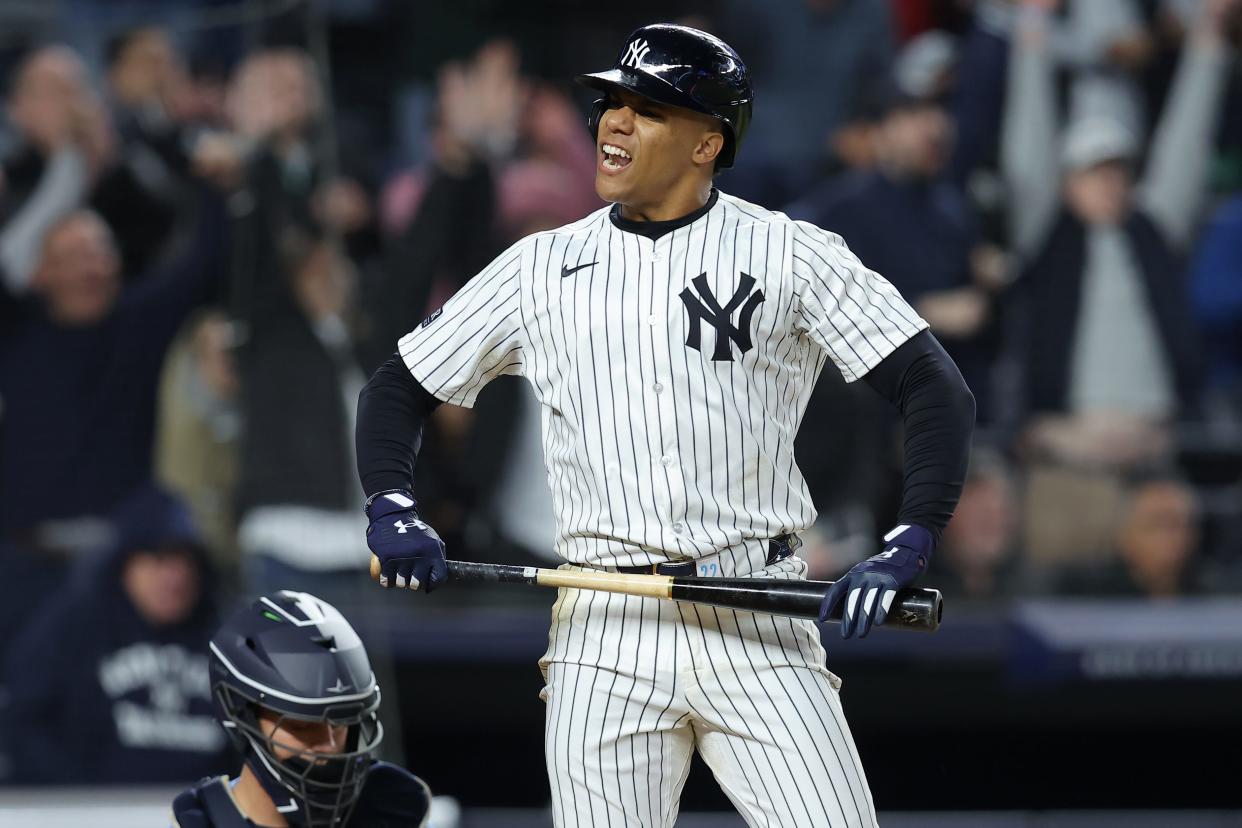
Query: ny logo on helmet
x,y
634,55
706,308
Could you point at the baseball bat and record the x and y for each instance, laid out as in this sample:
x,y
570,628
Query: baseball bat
x,y
912,609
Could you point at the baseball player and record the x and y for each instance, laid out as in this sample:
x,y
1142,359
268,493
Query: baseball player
x,y
672,340
294,690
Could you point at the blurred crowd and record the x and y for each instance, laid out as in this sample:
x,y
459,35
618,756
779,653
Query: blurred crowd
x,y
205,251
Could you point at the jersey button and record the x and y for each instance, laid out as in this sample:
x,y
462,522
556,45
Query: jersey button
x,y
651,320
658,387
677,527
666,460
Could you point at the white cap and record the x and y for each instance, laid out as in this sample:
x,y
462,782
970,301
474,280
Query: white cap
x,y
1094,140
920,67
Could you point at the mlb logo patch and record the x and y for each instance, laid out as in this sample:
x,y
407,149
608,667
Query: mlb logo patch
x,y
434,316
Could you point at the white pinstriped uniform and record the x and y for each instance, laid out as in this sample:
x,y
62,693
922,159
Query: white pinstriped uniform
x,y
663,443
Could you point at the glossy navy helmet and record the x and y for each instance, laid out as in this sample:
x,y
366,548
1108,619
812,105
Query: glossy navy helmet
x,y
297,658
684,67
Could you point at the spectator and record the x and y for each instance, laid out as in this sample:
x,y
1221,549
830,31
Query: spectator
x,y
108,684
507,159
78,374
978,556
299,504
1101,319
276,107
1108,332
441,218
1155,544
140,195
198,432
942,267
51,104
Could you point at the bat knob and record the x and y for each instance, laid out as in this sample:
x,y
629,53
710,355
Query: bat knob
x,y
375,567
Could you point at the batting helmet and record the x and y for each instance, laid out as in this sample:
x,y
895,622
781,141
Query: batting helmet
x,y
296,657
682,67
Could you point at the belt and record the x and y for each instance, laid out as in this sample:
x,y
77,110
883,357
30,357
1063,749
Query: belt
x,y
779,548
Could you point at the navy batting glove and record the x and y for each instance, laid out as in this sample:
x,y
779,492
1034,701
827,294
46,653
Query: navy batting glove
x,y
410,551
869,588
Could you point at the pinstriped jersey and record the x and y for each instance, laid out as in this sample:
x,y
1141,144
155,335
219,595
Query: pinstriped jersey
x,y
672,373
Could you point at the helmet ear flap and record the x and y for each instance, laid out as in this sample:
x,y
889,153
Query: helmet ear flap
x,y
598,108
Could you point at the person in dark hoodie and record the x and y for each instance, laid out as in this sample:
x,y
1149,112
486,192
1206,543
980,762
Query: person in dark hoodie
x,y
108,684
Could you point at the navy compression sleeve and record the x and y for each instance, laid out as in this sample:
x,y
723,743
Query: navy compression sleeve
x,y
391,410
938,412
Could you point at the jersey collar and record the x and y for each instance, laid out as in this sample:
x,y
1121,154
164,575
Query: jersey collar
x,y
655,229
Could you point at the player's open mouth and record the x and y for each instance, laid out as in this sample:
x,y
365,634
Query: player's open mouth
x,y
615,158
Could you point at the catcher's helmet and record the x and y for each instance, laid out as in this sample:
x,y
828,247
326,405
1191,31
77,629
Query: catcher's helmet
x,y
297,657
683,67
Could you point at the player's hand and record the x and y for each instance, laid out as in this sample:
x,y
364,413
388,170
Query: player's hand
x,y
409,551
869,588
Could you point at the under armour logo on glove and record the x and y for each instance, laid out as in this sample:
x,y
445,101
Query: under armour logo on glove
x,y
869,588
410,552
402,527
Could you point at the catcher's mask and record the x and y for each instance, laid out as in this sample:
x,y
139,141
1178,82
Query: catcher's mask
x,y
296,658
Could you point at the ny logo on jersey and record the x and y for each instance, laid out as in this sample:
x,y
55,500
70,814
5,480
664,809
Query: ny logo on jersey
x,y
705,308
634,55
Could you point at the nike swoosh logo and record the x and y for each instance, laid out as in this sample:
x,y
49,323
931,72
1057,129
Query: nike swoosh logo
x,y
566,270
